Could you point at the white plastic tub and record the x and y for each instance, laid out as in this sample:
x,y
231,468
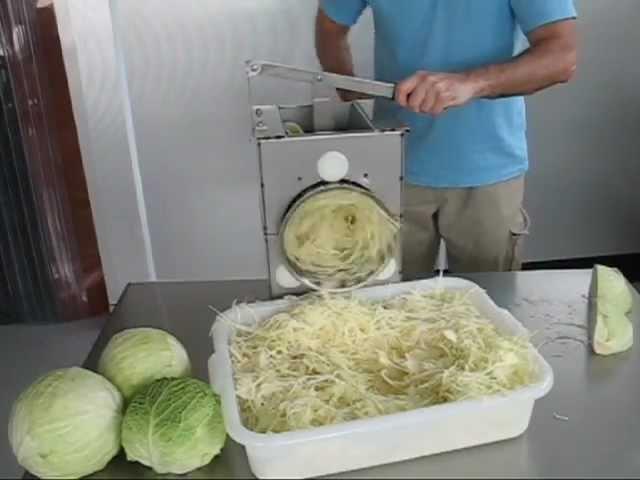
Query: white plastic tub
x,y
386,439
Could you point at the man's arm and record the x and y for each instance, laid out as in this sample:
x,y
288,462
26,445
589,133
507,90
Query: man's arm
x,y
332,45
550,60
333,49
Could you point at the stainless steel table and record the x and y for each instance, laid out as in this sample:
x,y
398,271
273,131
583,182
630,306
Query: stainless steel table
x,y
588,426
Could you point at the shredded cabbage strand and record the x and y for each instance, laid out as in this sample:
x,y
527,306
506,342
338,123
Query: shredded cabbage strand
x,y
340,238
334,358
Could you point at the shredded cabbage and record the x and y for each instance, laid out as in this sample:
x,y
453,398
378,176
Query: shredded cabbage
x,y
340,238
334,358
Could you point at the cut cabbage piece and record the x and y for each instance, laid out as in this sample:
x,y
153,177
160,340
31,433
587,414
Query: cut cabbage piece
x,y
613,289
613,330
293,129
613,333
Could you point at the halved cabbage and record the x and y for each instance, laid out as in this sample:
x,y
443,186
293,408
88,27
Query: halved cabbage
x,y
613,330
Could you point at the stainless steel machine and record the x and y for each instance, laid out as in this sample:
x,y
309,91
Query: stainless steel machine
x,y
306,149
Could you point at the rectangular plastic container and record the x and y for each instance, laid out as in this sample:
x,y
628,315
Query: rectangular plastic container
x,y
386,439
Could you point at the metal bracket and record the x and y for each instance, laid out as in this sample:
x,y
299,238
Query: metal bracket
x,y
267,122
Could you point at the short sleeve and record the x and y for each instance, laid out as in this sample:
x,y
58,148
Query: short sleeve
x,y
345,12
531,14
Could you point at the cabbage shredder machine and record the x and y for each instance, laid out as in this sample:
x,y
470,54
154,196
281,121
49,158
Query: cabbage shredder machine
x,y
306,149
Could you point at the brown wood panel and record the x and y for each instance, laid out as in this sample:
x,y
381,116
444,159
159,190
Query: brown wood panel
x,y
53,156
66,138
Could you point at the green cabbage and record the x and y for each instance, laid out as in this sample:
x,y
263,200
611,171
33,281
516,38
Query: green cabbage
x,y
613,332
66,424
173,426
136,357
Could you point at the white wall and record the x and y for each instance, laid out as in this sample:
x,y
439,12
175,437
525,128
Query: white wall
x,y
190,108
198,189
87,41
585,144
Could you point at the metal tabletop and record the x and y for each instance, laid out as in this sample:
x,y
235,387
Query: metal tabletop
x,y
588,426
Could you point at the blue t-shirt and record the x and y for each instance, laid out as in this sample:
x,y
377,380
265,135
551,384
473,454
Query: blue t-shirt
x,y
480,143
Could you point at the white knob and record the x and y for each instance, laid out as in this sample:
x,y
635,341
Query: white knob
x,y
333,166
389,271
285,279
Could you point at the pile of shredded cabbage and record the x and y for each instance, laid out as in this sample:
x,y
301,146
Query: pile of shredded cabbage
x,y
333,358
340,238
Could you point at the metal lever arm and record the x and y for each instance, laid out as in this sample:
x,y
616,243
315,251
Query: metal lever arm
x,y
341,82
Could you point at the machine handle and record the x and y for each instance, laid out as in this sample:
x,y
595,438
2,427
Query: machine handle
x,y
365,86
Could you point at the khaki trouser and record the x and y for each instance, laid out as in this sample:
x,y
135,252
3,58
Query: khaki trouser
x,y
483,228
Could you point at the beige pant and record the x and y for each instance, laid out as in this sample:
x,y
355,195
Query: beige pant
x,y
483,228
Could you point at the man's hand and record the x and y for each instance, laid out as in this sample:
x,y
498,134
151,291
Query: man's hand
x,y
550,60
334,52
433,93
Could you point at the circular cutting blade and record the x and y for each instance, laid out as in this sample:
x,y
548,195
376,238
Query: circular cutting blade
x,y
338,237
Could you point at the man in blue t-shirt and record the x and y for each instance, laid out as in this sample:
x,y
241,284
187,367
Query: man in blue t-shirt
x,y
461,81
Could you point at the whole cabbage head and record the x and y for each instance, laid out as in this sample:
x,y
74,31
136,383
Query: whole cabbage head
x,y
173,426
136,357
66,424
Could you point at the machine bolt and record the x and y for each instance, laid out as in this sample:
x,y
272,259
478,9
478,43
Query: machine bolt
x,y
255,68
260,124
258,112
319,78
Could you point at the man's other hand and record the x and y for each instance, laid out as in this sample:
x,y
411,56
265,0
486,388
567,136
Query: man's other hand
x,y
433,93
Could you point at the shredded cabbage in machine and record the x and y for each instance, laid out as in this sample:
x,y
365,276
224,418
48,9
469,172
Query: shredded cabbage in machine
x,y
340,238
334,358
